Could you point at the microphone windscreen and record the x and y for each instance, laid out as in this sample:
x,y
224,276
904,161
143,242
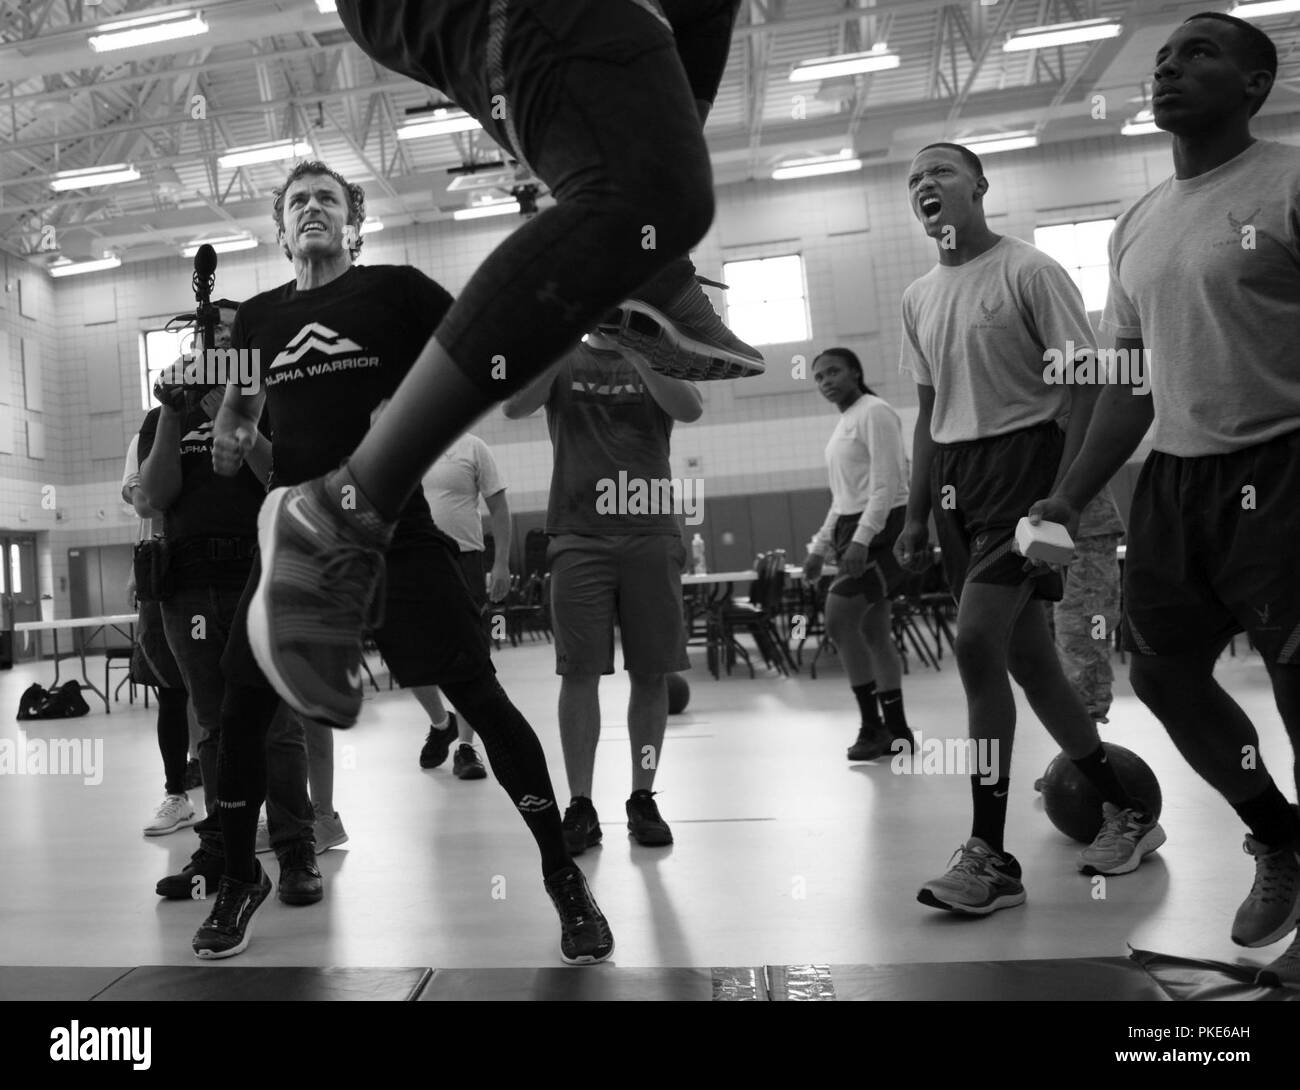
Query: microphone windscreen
x,y
205,261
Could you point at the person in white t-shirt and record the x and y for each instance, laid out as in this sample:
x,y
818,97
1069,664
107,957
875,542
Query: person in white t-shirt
x,y
867,463
454,486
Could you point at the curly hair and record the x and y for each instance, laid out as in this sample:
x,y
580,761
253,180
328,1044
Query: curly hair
x,y
355,194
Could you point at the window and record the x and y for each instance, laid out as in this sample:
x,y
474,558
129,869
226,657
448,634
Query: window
x,y
767,302
15,570
160,348
1081,248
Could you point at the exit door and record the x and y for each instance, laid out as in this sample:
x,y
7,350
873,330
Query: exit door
x,y
18,586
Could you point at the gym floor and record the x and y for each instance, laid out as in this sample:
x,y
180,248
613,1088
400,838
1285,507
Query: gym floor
x,y
785,853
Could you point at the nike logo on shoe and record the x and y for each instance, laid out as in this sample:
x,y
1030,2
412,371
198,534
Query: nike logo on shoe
x,y
354,678
292,505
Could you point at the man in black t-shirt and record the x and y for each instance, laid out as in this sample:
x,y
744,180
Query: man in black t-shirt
x,y
210,525
328,348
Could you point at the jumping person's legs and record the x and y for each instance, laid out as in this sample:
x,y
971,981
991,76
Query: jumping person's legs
x,y
630,172
432,635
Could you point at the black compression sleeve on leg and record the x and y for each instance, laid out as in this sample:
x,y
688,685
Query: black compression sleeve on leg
x,y
517,760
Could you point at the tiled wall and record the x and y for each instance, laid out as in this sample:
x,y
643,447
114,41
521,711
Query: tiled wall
x,y
860,245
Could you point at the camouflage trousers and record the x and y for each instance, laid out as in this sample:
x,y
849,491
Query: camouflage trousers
x,y
1085,620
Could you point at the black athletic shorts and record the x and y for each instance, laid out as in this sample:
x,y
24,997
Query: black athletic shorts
x,y
884,575
1212,549
431,632
980,491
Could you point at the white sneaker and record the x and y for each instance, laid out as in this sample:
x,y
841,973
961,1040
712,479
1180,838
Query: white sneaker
x,y
175,812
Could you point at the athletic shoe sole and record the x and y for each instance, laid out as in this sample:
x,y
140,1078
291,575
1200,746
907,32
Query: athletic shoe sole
x,y
670,351
587,959
184,823
1273,936
1007,900
323,846
1148,844
259,621
652,839
581,846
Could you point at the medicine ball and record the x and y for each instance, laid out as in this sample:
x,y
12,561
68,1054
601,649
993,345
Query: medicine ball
x,y
679,694
1073,804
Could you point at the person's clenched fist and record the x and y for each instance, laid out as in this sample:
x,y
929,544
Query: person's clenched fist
x,y
229,450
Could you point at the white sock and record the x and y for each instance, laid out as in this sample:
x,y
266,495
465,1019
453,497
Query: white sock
x,y
446,722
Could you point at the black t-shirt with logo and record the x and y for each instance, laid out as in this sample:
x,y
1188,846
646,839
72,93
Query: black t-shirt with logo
x,y
208,505
328,356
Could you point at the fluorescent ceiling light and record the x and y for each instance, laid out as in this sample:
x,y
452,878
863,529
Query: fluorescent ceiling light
x,y
93,176
225,245
369,227
327,6
482,211
149,28
878,59
811,168
1141,123
438,123
263,153
1262,9
76,268
1044,37
1007,141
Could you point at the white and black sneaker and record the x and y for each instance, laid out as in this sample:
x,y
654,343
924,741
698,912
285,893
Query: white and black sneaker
x,y
227,931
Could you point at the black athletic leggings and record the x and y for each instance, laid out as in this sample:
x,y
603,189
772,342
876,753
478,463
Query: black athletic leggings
x,y
174,737
512,747
599,98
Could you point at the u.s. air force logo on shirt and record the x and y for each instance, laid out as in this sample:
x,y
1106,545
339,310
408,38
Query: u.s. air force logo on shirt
x,y
317,350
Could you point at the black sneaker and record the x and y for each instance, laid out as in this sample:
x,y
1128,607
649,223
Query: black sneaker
x,y
300,880
197,880
644,822
585,937
438,744
873,742
227,930
193,775
466,765
581,826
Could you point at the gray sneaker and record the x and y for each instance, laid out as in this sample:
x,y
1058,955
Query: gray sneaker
x,y
1122,843
329,832
1272,908
684,338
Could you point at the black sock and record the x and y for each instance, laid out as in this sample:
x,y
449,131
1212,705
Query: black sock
x,y
891,708
990,819
1099,772
1271,819
866,695
518,762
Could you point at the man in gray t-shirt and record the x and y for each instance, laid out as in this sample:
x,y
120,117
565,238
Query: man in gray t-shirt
x,y
977,332
615,555
1205,277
